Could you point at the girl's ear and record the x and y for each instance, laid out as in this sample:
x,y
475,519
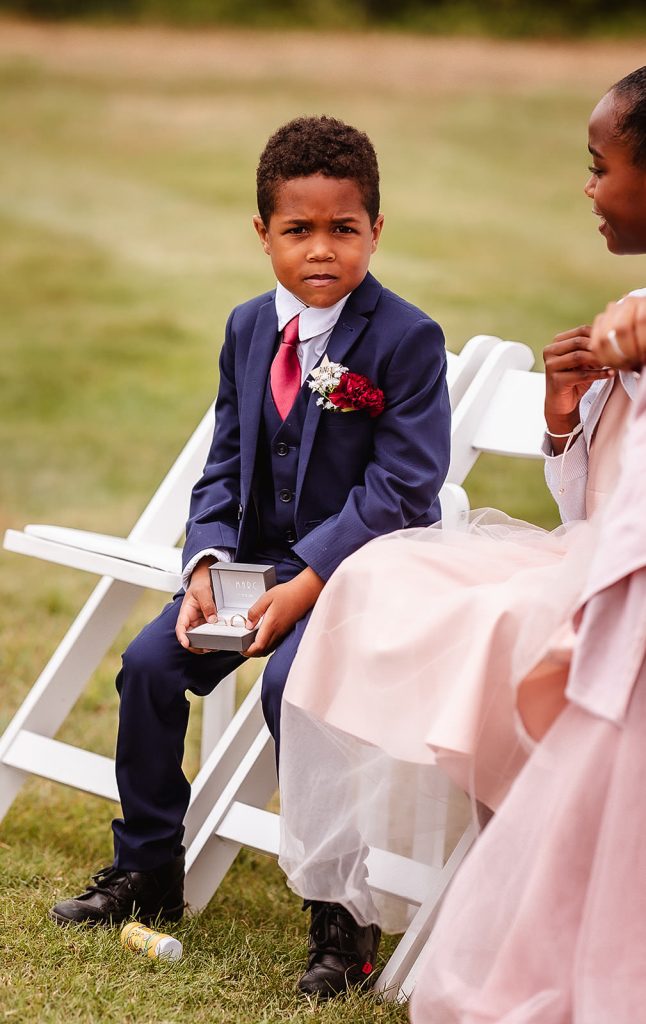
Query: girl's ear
x,y
262,233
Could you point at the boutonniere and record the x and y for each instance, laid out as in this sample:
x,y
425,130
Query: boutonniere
x,y
342,391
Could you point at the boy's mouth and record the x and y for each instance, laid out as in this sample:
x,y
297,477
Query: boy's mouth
x,y
319,280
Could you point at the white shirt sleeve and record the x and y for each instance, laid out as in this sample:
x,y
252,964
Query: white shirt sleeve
x,y
567,476
220,554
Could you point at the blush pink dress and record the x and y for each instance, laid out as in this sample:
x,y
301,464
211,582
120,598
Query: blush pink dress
x,y
411,660
546,920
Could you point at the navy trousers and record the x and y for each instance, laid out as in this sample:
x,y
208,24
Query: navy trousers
x,y
153,719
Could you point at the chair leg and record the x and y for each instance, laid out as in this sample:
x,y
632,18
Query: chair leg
x,y
216,844
62,680
397,980
217,711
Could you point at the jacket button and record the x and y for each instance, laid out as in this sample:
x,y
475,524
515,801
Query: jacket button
x,y
290,536
282,448
285,495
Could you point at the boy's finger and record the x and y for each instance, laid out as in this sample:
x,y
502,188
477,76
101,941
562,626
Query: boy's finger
x,y
262,645
204,598
258,609
265,639
182,624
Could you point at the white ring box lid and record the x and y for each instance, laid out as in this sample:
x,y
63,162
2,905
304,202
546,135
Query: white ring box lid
x,y
236,587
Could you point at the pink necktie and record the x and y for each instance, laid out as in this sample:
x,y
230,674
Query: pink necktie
x,y
285,374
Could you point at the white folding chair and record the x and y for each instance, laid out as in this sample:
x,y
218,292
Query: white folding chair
x,y
237,778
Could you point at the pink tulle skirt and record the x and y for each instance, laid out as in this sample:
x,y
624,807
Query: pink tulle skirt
x,y
546,920
410,662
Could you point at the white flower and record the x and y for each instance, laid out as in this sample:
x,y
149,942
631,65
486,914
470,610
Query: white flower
x,y
325,378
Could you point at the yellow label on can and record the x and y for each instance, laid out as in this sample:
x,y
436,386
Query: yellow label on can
x,y
141,939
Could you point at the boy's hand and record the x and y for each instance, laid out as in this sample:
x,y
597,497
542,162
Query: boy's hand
x,y
570,368
281,607
198,605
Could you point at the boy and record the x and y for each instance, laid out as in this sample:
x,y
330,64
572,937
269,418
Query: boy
x,y
288,481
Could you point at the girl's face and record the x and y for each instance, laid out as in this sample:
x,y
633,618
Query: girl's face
x,y
617,187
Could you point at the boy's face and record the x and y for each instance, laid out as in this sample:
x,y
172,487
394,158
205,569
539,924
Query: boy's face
x,y
319,238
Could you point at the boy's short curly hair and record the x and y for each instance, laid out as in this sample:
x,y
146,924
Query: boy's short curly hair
x,y
317,145
631,121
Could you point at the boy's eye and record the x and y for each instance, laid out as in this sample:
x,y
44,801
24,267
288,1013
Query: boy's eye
x,y
300,229
596,171
345,229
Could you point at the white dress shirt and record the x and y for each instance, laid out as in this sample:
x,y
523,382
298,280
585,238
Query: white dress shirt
x,y
314,329
314,326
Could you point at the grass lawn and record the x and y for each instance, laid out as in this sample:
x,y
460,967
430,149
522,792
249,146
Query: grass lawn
x,y
126,195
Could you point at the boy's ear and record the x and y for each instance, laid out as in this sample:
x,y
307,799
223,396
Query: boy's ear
x,y
376,232
262,233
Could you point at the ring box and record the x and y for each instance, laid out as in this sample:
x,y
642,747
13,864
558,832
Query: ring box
x,y
236,587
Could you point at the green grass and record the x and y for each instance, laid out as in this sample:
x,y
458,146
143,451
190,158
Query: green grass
x,y
126,192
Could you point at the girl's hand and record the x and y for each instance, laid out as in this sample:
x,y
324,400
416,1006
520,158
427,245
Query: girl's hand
x,y
570,368
628,321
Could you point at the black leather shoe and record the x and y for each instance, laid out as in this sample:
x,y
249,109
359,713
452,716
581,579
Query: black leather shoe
x,y
117,896
342,954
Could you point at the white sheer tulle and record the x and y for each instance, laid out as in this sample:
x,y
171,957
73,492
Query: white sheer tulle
x,y
420,675
358,797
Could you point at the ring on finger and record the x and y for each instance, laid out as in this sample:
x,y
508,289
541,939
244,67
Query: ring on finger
x,y
612,338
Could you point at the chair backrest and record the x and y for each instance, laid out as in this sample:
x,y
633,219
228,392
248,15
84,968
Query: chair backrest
x,y
501,411
514,422
164,518
462,368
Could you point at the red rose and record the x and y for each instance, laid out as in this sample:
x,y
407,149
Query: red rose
x,y
355,392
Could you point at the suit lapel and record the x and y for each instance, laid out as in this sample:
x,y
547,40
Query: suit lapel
x,y
261,350
345,334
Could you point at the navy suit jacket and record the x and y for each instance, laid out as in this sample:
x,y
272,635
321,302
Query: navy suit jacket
x,y
358,477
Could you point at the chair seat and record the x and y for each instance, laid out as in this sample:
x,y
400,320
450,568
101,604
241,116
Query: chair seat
x,y
154,566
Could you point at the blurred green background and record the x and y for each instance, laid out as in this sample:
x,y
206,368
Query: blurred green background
x,y
126,197
573,18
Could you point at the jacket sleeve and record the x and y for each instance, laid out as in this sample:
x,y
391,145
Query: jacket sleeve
x,y
215,500
410,457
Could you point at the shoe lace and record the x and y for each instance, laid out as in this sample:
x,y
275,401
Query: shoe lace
x,y
323,917
103,880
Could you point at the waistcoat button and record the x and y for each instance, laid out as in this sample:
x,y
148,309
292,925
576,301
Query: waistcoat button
x,y
282,448
285,495
290,536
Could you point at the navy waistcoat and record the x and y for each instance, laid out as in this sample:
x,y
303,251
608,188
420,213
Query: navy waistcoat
x,y
276,469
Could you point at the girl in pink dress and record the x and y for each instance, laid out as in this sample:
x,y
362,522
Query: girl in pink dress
x,y
419,643
546,921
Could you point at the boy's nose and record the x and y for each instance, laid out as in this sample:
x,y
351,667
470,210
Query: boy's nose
x,y
320,249
588,188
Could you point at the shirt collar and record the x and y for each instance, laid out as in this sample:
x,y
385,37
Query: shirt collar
x,y
313,321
